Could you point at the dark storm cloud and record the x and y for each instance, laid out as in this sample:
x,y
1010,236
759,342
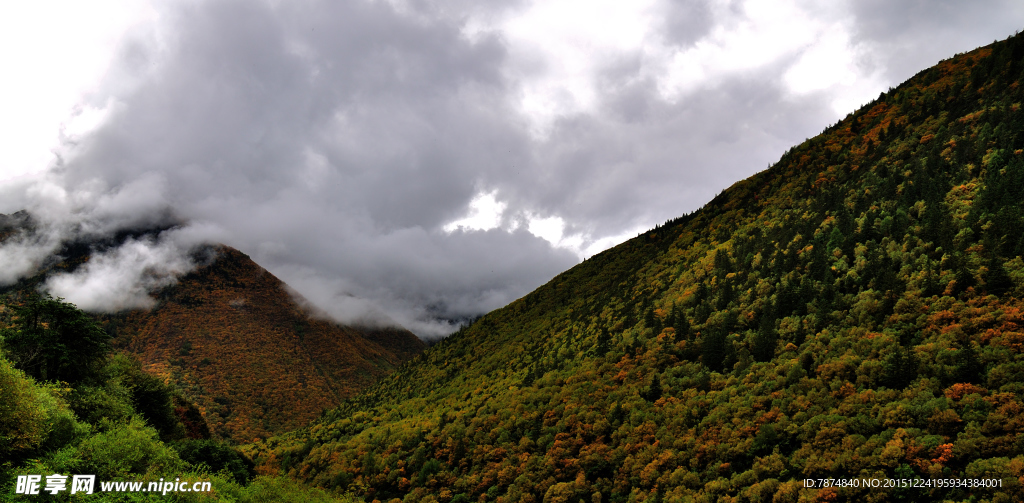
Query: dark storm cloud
x,y
686,21
247,92
615,171
333,141
908,37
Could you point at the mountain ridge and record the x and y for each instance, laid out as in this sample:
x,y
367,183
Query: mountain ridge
x,y
851,312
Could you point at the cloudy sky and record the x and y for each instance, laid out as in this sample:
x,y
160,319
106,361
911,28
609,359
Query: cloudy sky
x,y
419,160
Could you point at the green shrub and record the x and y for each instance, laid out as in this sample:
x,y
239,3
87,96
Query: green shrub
x,y
149,396
285,490
22,412
110,402
127,449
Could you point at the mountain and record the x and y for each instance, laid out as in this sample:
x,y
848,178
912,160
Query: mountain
x,y
234,340
852,313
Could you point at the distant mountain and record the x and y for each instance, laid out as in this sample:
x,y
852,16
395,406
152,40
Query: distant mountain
x,y
255,361
853,312
233,339
11,224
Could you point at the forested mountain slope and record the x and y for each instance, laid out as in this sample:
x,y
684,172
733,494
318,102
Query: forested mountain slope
x,y
853,311
257,363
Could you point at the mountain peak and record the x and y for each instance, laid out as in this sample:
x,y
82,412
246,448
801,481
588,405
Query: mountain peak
x,y
254,359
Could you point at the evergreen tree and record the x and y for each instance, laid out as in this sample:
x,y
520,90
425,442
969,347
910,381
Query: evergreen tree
x,y
968,368
682,326
649,318
997,282
713,349
654,391
50,339
603,344
765,340
900,369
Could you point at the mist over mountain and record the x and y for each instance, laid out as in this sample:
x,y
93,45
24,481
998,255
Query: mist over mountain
x,y
255,356
102,264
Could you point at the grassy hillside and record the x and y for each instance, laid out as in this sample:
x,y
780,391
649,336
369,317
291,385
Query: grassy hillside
x,y
853,311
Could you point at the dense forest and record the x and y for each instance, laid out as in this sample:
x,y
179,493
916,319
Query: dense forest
x,y
854,311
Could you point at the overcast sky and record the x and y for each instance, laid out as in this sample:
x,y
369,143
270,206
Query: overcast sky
x,y
420,160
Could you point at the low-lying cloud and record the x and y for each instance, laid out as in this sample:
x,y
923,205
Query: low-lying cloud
x,y
124,278
23,254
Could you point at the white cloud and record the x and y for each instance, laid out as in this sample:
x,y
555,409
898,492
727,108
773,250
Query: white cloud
x,y
558,48
53,52
549,229
124,277
559,51
762,33
603,243
485,213
22,255
823,65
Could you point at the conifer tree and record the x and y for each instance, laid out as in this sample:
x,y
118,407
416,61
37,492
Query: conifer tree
x,y
900,369
654,391
50,339
764,341
713,349
603,342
